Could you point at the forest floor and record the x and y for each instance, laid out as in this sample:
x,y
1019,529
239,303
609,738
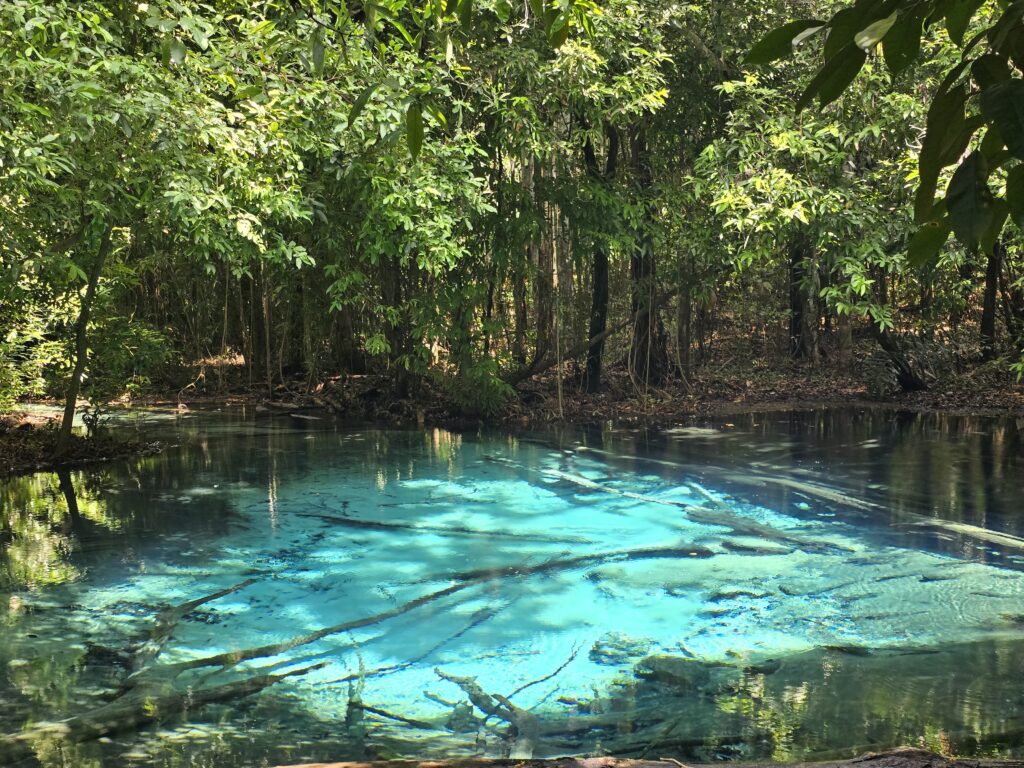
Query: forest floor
x,y
28,444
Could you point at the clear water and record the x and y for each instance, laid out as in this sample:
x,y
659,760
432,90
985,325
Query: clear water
x,y
769,587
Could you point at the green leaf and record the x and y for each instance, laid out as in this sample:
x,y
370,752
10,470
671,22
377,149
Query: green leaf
x,y
958,18
969,201
834,77
360,103
872,34
402,31
318,50
503,10
903,43
466,15
559,31
176,50
944,131
990,69
414,129
1000,210
927,242
780,42
1003,104
1015,194
844,26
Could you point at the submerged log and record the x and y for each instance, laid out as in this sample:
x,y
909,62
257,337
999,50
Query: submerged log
x,y
899,758
167,620
441,530
524,728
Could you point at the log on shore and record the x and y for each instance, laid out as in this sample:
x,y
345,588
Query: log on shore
x,y
899,758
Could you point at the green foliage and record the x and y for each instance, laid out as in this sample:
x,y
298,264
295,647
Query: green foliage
x,y
980,100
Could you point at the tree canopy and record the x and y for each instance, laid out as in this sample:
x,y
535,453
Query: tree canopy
x,y
467,194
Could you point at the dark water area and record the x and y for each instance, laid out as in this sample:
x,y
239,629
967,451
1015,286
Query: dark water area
x,y
773,586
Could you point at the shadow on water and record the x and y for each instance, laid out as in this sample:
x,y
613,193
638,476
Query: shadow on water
x,y
841,581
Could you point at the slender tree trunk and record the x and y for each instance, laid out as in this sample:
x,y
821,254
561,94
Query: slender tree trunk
x,y
803,304
993,269
648,353
599,296
1013,304
684,318
265,313
520,310
81,343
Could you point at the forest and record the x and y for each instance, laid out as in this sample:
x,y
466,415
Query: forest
x,y
622,200
430,314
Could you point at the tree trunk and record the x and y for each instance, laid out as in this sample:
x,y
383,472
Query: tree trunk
x,y
520,311
599,295
1013,304
993,269
81,343
648,353
803,304
541,259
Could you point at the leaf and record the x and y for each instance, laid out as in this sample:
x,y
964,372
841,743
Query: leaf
x,y
780,42
834,77
872,34
176,50
958,18
360,103
402,31
559,31
944,131
318,50
503,10
1015,194
989,70
1000,210
903,43
969,201
844,26
414,129
1003,104
927,242
466,15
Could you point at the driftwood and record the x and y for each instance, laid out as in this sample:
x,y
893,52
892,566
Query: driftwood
x,y
899,758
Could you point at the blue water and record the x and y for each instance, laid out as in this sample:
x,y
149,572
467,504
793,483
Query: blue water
x,y
774,586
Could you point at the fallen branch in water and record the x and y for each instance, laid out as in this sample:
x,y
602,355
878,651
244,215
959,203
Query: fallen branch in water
x,y
167,620
524,728
463,581
443,530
